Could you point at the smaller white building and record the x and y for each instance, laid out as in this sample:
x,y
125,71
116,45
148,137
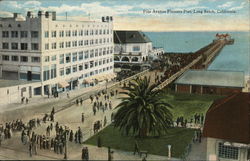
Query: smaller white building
x,y
133,48
227,129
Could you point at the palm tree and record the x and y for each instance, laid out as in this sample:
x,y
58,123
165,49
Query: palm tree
x,y
143,111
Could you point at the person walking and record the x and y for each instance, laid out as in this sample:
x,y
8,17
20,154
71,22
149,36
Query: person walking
x,y
80,135
30,149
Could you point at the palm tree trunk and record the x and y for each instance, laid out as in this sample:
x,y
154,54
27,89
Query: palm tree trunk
x,y
143,132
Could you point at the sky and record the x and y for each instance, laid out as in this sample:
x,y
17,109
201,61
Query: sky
x,y
146,15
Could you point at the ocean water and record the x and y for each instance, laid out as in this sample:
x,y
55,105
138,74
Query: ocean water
x,y
234,57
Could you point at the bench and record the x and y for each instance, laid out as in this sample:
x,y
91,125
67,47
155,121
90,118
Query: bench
x,y
140,152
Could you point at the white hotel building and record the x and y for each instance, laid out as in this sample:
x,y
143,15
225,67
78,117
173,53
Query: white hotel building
x,y
57,55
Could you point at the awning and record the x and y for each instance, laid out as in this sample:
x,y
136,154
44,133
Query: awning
x,y
87,80
63,84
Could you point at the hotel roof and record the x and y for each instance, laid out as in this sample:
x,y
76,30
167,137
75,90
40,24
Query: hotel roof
x,y
212,78
229,119
123,37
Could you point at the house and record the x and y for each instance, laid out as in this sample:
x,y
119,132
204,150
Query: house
x,y
227,128
133,48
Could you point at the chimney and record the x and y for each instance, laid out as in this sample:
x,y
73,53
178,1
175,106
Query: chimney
x,y
53,15
40,13
107,18
103,19
29,14
111,18
15,15
47,14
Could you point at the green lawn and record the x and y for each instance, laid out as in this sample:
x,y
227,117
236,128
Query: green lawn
x,y
179,138
187,105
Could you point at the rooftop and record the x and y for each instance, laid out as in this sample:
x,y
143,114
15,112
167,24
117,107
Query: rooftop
x,y
212,78
123,37
229,119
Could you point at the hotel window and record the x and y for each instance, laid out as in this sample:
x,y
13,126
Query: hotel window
x,y
104,69
61,71
100,52
100,41
47,46
107,60
86,66
100,70
111,40
80,67
80,33
111,59
53,45
14,58
91,32
86,54
46,34
68,58
74,43
228,152
6,57
14,46
24,34
107,31
136,48
5,34
74,33
35,59
104,61
80,55
96,71
68,44
24,59
80,43
111,50
100,62
68,70
53,58
91,53
34,34
104,51
104,40
91,42
24,46
53,34
46,59
100,32
5,45
107,40
111,67
91,73
46,73
86,42
34,46
107,68
96,63
96,32
86,32
74,57
61,33
104,32
96,52
68,33
96,41
74,69
61,45
108,50
53,71
62,59
14,34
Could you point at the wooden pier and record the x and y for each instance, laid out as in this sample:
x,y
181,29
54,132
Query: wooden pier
x,y
201,62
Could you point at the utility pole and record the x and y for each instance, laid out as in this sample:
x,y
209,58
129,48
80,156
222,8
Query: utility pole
x,y
66,16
